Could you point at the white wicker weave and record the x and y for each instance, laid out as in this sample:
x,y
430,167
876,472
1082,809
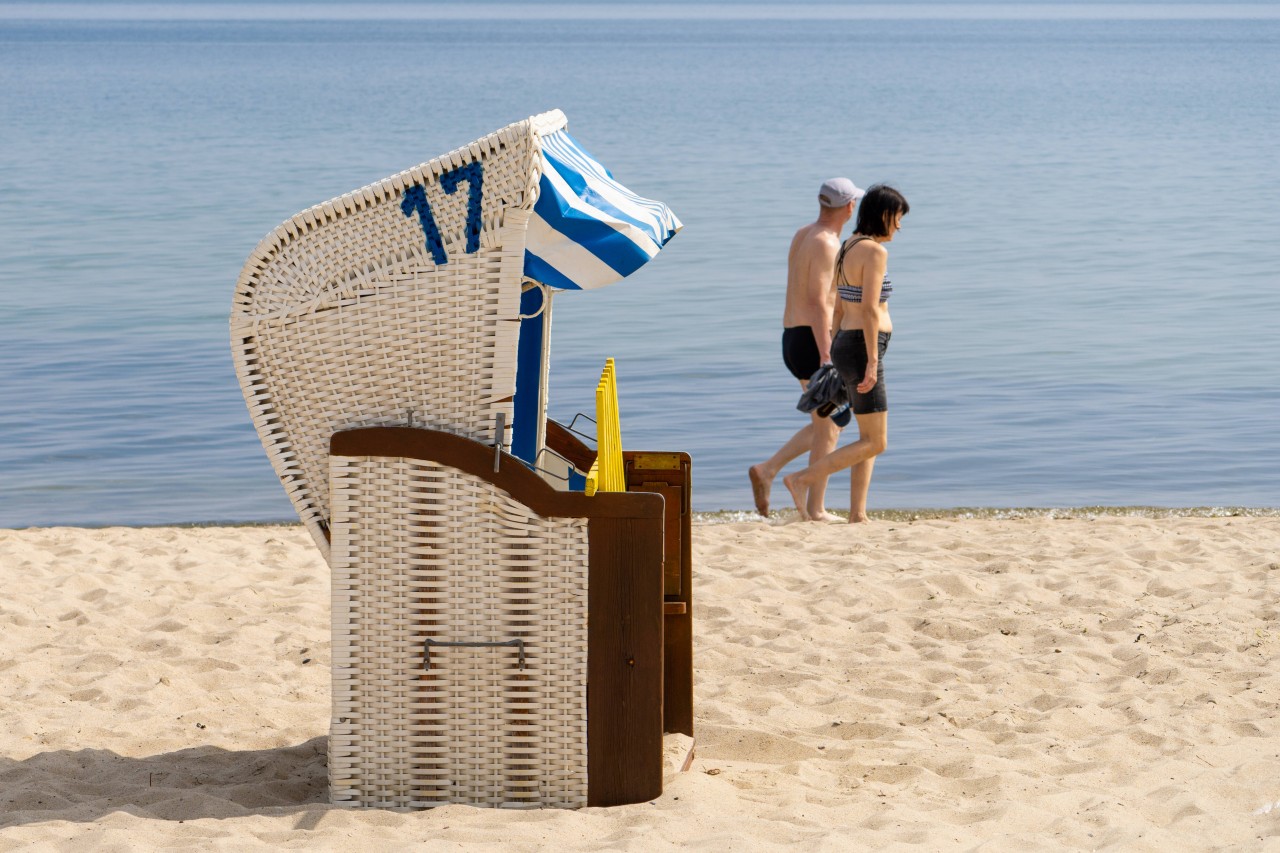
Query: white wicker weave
x,y
342,318
424,550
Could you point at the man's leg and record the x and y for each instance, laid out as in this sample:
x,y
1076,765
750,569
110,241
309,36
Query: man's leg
x,y
762,474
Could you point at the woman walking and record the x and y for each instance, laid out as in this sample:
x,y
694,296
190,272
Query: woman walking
x,y
862,313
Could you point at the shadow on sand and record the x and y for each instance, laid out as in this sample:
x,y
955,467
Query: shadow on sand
x,y
200,782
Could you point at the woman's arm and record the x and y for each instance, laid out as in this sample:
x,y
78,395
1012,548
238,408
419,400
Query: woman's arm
x,y
872,312
837,314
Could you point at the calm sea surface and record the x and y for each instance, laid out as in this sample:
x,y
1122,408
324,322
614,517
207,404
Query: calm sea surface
x,y
1086,301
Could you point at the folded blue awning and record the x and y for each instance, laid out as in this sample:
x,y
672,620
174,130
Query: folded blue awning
x,y
587,229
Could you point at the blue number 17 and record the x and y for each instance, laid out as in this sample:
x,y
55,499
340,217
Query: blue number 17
x,y
415,199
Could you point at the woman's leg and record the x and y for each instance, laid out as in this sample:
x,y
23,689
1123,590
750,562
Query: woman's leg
x,y
873,431
859,483
826,435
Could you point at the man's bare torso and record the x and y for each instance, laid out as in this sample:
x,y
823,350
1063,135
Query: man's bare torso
x,y
810,296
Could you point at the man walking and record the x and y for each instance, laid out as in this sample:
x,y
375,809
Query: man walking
x,y
806,337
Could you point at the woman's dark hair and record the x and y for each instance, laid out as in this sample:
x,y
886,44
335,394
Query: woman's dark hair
x,y
878,209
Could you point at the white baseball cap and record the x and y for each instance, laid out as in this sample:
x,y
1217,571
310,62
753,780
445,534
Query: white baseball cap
x,y
837,192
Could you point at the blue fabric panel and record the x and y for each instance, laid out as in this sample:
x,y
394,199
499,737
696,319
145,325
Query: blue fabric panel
x,y
524,427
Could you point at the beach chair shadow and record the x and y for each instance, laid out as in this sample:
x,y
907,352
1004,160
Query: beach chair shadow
x,y
497,640
187,784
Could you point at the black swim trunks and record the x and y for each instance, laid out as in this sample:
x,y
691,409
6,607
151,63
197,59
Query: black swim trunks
x,y
849,354
800,352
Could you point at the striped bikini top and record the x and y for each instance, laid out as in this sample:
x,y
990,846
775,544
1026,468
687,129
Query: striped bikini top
x,y
853,292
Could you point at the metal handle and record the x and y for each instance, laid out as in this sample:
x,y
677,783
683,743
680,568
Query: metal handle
x,y
428,643
540,468
573,422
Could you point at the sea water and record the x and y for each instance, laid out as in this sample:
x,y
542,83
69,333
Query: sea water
x,y
1085,296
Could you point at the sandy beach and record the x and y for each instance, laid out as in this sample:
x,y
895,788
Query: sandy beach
x,y
936,684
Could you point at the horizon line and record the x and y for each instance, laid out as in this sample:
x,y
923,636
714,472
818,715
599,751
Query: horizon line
x,y
456,11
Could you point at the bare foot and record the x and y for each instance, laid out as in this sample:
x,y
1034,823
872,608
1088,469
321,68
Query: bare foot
x,y
760,490
858,519
798,492
824,516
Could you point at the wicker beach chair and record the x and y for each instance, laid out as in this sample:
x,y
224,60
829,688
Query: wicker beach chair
x,y
391,347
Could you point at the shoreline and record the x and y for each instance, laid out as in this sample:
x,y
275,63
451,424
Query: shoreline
x,y
1004,513
787,516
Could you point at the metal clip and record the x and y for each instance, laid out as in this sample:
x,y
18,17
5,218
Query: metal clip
x,y
499,430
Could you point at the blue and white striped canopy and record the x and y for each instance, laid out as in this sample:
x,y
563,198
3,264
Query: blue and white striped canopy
x,y
587,229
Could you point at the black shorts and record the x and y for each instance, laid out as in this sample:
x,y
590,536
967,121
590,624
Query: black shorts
x,y
849,354
800,352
